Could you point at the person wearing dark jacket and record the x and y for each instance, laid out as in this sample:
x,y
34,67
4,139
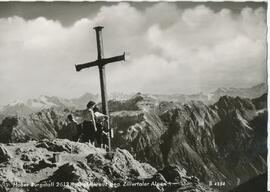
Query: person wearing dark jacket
x,y
70,130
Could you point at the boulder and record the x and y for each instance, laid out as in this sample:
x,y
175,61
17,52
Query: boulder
x,y
35,167
172,174
55,146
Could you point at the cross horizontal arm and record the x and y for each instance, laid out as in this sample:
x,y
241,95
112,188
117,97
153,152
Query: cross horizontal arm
x,y
113,59
86,65
100,62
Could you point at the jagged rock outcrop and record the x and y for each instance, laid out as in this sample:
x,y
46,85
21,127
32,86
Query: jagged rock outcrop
x,y
141,137
86,168
260,102
43,124
222,142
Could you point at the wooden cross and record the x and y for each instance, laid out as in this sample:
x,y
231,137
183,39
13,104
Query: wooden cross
x,y
101,62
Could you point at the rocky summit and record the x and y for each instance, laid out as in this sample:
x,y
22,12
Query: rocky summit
x,y
62,165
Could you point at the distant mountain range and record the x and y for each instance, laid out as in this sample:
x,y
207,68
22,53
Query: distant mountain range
x,y
212,97
24,108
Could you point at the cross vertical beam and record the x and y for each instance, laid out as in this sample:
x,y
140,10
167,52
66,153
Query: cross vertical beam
x,y
101,62
102,76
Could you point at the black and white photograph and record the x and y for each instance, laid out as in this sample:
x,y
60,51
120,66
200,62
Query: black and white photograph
x,y
129,96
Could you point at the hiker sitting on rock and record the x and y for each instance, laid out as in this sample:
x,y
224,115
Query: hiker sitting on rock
x,y
70,130
89,128
101,123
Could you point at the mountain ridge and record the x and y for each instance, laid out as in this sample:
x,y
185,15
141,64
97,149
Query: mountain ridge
x,y
45,102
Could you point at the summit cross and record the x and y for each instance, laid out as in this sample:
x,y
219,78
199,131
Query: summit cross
x,y
100,63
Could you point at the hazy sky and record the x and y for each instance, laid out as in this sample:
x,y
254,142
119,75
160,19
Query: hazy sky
x,y
174,47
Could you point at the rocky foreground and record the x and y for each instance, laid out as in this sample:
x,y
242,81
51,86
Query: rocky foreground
x,y
62,165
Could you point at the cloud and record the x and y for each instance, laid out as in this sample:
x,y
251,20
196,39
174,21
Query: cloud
x,y
172,50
